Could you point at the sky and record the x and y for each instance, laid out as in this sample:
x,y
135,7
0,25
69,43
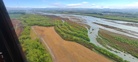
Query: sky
x,y
112,4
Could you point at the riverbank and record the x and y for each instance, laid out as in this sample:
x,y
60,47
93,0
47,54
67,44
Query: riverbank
x,y
94,28
120,30
110,17
66,33
120,42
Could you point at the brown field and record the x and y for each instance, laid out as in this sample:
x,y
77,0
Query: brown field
x,y
66,51
17,26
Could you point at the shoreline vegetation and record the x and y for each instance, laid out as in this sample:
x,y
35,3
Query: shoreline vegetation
x,y
122,43
67,30
63,30
109,17
118,16
112,17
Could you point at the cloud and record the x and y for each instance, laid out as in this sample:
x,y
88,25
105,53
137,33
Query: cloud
x,y
73,5
84,2
97,6
57,5
133,5
84,5
76,4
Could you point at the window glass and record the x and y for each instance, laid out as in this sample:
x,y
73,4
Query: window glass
x,y
76,30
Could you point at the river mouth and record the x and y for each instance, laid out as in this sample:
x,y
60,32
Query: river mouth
x,y
95,24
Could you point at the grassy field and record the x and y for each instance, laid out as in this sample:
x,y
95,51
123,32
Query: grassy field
x,y
121,43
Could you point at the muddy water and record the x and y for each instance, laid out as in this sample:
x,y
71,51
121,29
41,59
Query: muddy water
x,y
94,28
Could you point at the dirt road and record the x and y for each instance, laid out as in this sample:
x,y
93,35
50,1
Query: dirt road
x,y
66,51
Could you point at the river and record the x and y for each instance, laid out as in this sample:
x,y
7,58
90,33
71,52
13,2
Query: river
x,y
128,30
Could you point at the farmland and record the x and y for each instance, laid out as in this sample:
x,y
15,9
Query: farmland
x,y
66,50
56,24
69,31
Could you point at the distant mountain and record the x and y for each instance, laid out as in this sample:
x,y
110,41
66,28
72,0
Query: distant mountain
x,y
89,10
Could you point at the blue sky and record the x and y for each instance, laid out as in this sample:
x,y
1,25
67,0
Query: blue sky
x,y
72,3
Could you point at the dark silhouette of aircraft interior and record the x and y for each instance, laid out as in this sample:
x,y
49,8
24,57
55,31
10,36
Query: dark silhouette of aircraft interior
x,y
10,48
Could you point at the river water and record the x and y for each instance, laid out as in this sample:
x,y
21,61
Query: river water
x,y
94,28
